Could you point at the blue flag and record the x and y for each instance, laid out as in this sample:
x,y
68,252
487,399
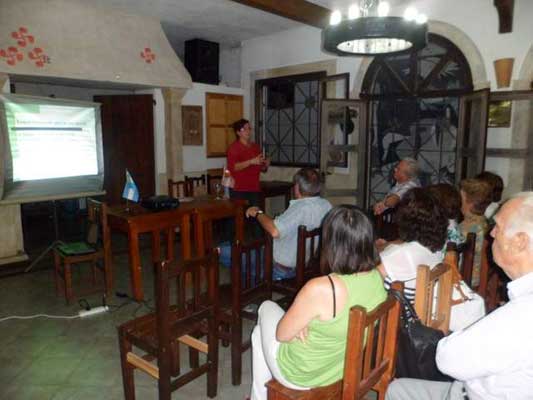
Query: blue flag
x,y
130,189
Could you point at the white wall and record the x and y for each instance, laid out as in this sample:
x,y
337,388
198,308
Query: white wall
x,y
472,25
230,66
194,157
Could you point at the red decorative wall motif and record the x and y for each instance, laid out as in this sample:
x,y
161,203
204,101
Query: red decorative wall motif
x,y
148,55
22,36
11,55
38,55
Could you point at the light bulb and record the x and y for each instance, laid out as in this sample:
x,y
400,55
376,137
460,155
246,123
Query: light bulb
x,y
335,17
421,19
354,12
410,13
383,9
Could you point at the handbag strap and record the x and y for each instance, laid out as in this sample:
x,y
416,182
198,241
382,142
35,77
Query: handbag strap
x,y
407,308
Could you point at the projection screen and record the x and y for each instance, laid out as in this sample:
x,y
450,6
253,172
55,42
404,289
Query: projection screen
x,y
54,148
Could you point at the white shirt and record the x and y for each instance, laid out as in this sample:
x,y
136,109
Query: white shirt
x,y
494,356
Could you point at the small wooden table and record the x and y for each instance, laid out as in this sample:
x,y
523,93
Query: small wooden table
x,y
140,220
275,188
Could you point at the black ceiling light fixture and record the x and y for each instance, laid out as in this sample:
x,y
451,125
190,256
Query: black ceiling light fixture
x,y
369,31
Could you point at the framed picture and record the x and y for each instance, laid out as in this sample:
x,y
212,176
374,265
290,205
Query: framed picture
x,y
191,123
500,113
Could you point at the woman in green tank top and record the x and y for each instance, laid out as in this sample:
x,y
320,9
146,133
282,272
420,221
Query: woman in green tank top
x,y
304,348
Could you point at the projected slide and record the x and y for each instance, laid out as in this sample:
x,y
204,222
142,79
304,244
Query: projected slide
x,y
51,141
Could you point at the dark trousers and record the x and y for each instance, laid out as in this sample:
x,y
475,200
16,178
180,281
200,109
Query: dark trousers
x,y
252,228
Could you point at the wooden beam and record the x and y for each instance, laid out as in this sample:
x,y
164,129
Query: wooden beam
x,y
297,10
505,14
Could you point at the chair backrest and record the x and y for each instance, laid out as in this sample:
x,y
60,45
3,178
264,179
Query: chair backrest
x,y
213,178
307,254
196,185
433,298
467,252
370,363
97,228
177,189
386,227
251,264
193,302
486,261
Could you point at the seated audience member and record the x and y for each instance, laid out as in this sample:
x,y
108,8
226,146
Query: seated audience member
x,y
406,177
450,200
491,360
496,184
307,209
475,197
305,347
422,229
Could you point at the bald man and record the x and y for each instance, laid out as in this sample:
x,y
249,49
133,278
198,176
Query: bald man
x,y
493,358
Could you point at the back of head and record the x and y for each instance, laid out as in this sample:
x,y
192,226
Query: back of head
x,y
308,182
347,241
478,193
496,183
412,170
420,218
449,198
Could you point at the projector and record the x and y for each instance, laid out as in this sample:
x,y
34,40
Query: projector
x,y
160,203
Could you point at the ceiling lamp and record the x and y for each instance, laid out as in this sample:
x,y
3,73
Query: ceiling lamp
x,y
369,31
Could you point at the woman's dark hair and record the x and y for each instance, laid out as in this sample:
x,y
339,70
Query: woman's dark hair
x,y
238,125
421,218
449,198
347,241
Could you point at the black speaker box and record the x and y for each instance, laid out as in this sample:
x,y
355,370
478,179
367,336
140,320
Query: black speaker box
x,y
201,60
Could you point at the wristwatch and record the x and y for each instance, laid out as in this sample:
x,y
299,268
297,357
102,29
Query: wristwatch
x,y
259,212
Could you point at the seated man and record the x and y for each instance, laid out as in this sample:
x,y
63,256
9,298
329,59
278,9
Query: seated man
x,y
307,209
491,359
406,176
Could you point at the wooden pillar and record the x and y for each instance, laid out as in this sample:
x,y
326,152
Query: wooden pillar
x,y
173,132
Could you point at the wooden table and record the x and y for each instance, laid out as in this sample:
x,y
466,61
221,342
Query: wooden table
x,y
275,188
139,220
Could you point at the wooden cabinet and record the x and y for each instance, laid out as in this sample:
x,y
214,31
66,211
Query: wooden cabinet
x,y
222,110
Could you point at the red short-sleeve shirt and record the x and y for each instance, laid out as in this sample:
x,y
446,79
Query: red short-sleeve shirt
x,y
247,179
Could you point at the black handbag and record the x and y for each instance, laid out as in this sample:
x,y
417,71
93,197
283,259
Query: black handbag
x,y
417,346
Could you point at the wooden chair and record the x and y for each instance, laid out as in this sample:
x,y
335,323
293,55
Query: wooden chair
x,y
368,364
307,265
159,334
177,189
244,290
213,177
434,310
386,227
96,250
196,185
467,252
492,280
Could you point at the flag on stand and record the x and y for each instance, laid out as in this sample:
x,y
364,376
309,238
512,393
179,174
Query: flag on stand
x,y
130,189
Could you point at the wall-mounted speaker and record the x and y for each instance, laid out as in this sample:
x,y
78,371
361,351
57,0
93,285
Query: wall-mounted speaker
x,y
201,60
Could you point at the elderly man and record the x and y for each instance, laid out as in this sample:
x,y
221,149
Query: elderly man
x,y
406,177
307,209
491,359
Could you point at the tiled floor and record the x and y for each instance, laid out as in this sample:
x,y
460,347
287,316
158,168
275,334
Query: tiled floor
x,y
59,359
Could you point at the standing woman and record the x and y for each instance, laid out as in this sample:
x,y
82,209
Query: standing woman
x,y
305,347
245,163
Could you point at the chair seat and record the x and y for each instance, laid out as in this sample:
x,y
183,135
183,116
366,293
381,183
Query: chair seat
x,y
76,249
332,391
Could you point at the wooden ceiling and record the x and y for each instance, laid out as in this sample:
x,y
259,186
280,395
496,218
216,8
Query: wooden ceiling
x,y
297,10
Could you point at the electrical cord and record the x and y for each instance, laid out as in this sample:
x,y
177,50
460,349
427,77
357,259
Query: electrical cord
x,y
39,316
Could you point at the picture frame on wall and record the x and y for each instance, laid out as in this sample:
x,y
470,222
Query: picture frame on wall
x,y
500,113
192,125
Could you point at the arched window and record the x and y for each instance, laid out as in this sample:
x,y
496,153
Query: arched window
x,y
414,108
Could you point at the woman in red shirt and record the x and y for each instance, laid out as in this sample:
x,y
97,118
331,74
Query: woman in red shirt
x,y
245,163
